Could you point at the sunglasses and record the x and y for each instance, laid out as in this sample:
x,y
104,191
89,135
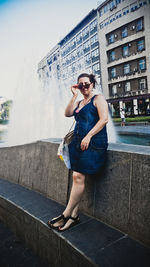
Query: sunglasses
x,y
81,86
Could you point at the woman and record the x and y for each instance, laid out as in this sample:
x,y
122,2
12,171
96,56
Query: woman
x,y
88,147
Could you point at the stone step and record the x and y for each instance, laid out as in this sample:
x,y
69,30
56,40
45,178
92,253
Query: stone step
x,y
90,243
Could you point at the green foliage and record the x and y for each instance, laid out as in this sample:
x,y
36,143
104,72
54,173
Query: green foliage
x,y
4,114
135,119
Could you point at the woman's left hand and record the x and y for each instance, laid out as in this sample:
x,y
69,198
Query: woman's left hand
x,y
85,142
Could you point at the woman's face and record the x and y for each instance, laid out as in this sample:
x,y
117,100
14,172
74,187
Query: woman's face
x,y
85,81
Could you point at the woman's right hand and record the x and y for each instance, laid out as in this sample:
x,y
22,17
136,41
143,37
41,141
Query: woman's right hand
x,y
74,89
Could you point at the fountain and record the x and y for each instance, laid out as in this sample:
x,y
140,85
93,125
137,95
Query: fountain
x,y
38,108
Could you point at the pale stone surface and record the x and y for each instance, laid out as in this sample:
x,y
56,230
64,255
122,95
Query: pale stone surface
x,y
119,196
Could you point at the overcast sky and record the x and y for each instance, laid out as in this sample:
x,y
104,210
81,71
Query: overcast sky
x,y
29,29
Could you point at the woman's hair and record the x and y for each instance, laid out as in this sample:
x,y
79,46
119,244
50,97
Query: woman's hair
x,y
90,76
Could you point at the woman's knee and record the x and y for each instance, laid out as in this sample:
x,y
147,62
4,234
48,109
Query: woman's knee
x,y
78,177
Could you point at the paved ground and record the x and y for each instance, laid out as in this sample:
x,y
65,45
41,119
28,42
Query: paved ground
x,y
13,253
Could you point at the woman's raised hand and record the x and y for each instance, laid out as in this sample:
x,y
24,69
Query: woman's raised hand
x,y
74,89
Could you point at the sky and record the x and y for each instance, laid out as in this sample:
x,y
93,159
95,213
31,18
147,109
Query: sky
x,y
29,29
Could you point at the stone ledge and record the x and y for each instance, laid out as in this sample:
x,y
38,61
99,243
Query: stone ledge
x,y
90,243
121,190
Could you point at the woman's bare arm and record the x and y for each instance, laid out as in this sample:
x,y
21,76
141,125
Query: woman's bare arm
x,y
71,106
72,103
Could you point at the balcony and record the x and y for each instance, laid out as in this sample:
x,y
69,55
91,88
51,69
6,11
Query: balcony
x,y
123,41
125,59
129,76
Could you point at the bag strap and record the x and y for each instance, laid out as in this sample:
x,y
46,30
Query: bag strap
x,y
71,126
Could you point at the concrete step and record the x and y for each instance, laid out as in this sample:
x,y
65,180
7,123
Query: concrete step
x,y
14,253
90,243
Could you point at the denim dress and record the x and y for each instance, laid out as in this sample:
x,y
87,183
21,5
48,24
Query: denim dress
x,y
91,160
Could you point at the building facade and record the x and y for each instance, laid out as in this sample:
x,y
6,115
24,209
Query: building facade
x,y
124,37
50,63
112,42
78,50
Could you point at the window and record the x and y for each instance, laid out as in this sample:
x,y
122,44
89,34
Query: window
x,y
139,25
140,45
105,8
73,67
73,43
89,70
112,4
125,10
85,31
113,72
79,37
127,86
106,22
124,32
68,48
101,12
96,67
88,58
93,25
86,45
74,55
80,51
126,68
134,6
118,1
95,53
80,63
114,89
111,38
101,25
118,14
112,55
142,64
112,18
49,61
125,50
94,39
142,3
142,84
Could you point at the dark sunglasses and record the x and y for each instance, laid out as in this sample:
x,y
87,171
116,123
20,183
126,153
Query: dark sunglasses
x,y
81,86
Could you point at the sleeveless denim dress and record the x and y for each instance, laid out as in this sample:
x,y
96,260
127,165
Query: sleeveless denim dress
x,y
91,160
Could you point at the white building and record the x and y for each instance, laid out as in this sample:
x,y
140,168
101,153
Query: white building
x,y
124,37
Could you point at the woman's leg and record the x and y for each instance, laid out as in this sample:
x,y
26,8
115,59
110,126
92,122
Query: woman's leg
x,y
75,211
77,191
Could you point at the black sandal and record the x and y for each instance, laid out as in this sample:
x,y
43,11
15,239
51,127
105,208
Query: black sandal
x,y
60,217
76,221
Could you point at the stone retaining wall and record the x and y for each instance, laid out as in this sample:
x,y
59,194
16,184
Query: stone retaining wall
x,y
119,196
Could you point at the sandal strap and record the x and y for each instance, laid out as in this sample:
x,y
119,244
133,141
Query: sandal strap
x,y
60,217
74,218
57,219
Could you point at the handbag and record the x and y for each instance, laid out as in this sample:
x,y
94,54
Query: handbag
x,y
69,136
63,151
